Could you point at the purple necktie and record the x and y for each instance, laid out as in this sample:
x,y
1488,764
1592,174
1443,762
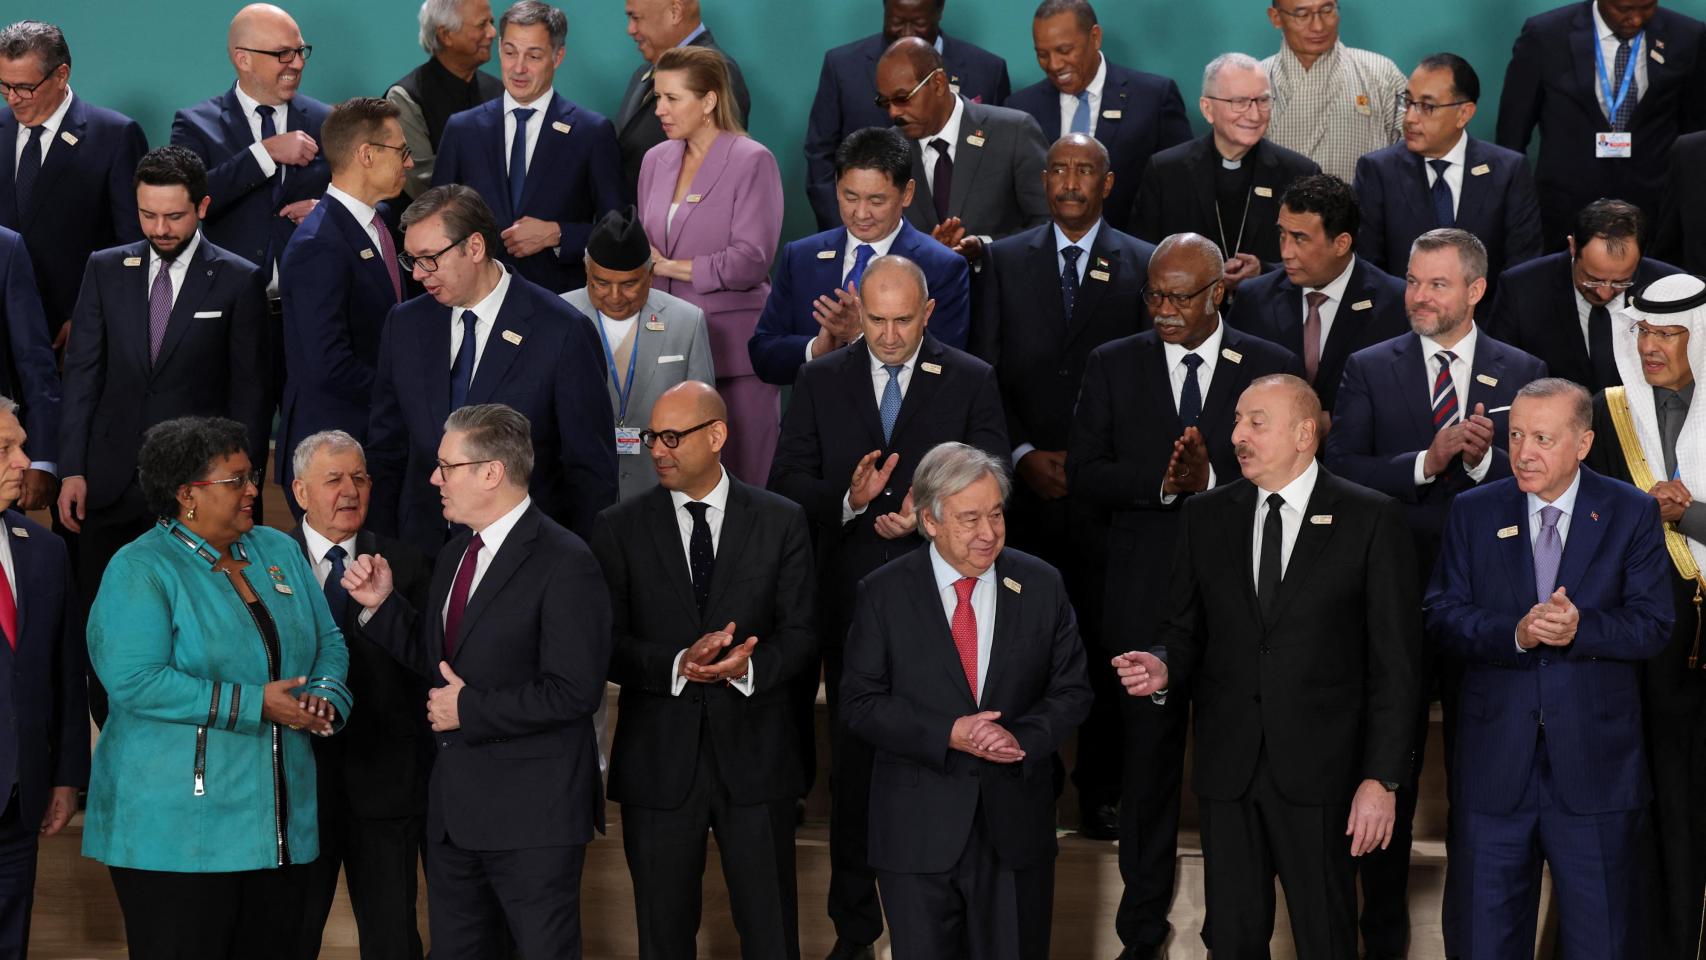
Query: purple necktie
x,y
1548,552
459,590
388,250
159,309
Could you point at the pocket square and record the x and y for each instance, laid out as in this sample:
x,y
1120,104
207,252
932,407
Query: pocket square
x,y
208,314
672,358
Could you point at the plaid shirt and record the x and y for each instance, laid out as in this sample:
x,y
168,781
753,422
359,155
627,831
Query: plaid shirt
x,y
1344,106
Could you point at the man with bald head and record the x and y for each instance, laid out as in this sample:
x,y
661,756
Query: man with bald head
x,y
1305,658
860,420
711,590
656,26
976,166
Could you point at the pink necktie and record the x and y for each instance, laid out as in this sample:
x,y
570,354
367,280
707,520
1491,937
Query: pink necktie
x,y
965,631
1312,334
388,250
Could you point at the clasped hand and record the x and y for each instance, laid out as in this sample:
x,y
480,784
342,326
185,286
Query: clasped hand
x,y
296,711
700,664
1552,623
980,736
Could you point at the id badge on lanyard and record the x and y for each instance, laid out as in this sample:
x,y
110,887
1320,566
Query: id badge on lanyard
x,y
1616,144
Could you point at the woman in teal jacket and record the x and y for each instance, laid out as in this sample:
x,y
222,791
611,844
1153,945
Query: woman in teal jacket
x,y
220,658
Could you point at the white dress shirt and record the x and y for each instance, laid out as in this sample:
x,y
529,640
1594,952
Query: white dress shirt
x,y
491,541
281,123
50,130
718,502
487,313
1209,352
1456,156
1329,309
880,382
1296,495
616,331
362,213
982,608
535,124
1069,101
177,268
1460,368
951,133
318,545
1608,44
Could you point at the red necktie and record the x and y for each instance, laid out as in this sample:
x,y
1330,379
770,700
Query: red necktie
x,y
459,594
388,250
8,610
965,631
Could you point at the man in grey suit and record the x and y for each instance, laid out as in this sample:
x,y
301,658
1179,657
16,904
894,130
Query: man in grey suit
x,y
642,359
978,168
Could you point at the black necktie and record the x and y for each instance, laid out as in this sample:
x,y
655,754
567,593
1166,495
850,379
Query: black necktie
x,y
1190,395
1600,351
942,182
269,129
337,598
462,365
700,558
1444,216
1268,577
29,165
1069,279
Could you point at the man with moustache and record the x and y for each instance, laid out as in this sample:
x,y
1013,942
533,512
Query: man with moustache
x,y
656,26
1305,657
457,36
1152,429
1332,103
843,100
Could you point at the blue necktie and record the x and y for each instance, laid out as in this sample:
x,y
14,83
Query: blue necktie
x,y
889,410
1069,279
518,159
1190,395
861,259
462,366
1081,115
1626,109
29,165
269,129
337,598
1442,195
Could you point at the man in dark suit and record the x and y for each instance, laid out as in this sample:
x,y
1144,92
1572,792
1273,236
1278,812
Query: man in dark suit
x,y
457,36
72,194
1563,307
964,675
1225,185
1039,316
711,593
27,368
1609,85
858,424
371,778
548,168
1152,428
1307,685
515,344
1681,236
1325,303
172,326
517,660
656,26
848,81
1551,587
1421,418
1440,176
340,277
977,167
1135,114
813,307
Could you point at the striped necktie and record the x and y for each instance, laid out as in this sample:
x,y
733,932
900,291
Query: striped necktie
x,y
1445,392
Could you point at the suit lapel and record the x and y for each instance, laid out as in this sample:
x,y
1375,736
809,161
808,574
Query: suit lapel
x,y
199,275
1048,310
1158,379
731,546
548,154
1008,612
61,156
503,345
1104,260
666,537
826,271
24,569
371,267
1588,524
927,602
923,201
1564,308
1487,364
1226,377
1285,305
1243,532
1418,196
705,180
1346,323
237,129
491,118
1516,551
515,550
130,332
968,158
432,339
1205,160
856,375
1583,42
921,391
443,578
1411,370
8,188
1475,204
1312,538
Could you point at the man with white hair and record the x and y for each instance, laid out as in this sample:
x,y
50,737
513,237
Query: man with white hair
x,y
457,36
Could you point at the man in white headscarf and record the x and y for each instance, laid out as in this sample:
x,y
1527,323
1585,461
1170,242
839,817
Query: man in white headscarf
x,y
1652,433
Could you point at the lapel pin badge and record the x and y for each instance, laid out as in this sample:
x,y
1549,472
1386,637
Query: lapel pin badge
x,y
1232,354
826,254
1101,275
1322,519
69,138
1657,56
560,126
1102,262
930,367
1480,171
1489,381
1363,305
133,261
20,533
1264,192
654,324
976,139
1113,114
1594,514
367,254
512,337
1505,533
694,197
1012,584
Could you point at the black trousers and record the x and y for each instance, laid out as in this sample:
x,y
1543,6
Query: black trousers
x,y
666,857
1673,834
17,880
854,909
378,859
1149,816
105,532
247,915
473,896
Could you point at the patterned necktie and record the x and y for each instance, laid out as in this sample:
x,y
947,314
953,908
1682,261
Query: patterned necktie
x,y
1268,574
269,129
518,159
889,409
942,178
1312,333
337,598
1600,352
965,631
861,259
462,365
701,558
1445,392
29,166
159,308
1626,109
1548,553
1069,279
1441,191
388,250
1190,394
459,594
1081,114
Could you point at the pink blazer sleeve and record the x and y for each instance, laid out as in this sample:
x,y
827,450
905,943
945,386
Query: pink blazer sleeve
x,y
754,218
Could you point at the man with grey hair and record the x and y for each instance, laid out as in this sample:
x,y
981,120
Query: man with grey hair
x,y
457,36
963,729
1225,185
515,637
547,167
1332,103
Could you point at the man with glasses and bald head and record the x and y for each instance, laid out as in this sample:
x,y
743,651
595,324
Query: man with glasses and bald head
x,y
1332,103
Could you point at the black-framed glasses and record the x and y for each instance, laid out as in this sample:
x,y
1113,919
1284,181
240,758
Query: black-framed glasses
x,y
1590,282
1405,102
25,91
445,468
285,54
1325,11
1263,103
256,477
1664,336
672,438
407,151
428,262
1179,300
883,102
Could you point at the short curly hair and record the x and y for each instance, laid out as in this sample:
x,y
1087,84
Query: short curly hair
x,y
175,452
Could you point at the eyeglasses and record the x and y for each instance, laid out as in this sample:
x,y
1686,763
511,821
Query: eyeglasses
x,y
407,151
883,102
285,54
24,91
1325,11
1664,336
445,468
256,477
428,262
1263,103
1590,282
1179,300
671,438
1405,102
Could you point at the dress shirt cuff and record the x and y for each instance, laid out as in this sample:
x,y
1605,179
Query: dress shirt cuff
x,y
1020,451
809,342
268,165
1422,479
744,684
366,614
677,682
1213,481
1516,644
1478,472
1167,498
45,466
847,511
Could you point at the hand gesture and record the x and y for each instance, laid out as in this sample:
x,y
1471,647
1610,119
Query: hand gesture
x,y
949,232
529,235
73,494
893,526
1373,811
442,711
704,650
1477,436
1044,471
1672,495
869,480
731,667
980,736
368,580
298,211
1187,470
839,319
1141,673
293,148
1446,445
279,705
1241,267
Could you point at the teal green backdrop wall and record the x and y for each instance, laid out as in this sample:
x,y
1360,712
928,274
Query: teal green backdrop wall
x,y
147,58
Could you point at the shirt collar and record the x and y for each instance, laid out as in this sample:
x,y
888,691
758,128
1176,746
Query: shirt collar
x,y
938,43
184,256
318,543
1335,289
1603,30
250,103
879,247
951,130
52,124
493,536
1464,349
877,363
1297,492
946,575
698,32
1458,154
541,104
1208,350
717,499
1087,241
1566,501
362,212
488,308
1094,89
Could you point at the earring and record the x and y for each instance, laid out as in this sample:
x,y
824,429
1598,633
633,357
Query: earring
x,y
190,514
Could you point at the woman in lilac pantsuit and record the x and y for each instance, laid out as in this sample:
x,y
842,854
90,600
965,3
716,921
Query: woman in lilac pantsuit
x,y
710,198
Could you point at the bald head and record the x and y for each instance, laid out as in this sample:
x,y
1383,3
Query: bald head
x,y
1188,251
915,53
255,22
1296,391
259,33
693,415
690,401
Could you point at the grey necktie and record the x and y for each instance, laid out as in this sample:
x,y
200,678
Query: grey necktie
x,y
1548,553
1673,413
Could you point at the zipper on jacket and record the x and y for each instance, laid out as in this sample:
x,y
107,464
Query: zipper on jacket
x,y
200,761
280,820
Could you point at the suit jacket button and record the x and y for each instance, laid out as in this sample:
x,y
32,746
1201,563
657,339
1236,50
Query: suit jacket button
x,y
1534,714
1543,661
1063,372
886,493
1257,698
1263,648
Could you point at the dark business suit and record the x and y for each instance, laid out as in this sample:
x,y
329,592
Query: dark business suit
x,y
813,267
845,102
573,178
710,756
1142,114
514,794
939,815
371,780
1122,438
1681,218
83,199
637,125
1178,195
998,182
1551,763
28,373
1497,205
1294,707
832,422
1271,307
541,358
1550,84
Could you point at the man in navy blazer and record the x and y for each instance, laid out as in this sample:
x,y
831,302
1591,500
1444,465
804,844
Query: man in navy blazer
x,y
813,307
44,743
848,83
1554,84
1354,303
340,277
73,196
548,186
1440,176
1135,114
1552,586
1681,232
483,334
27,368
